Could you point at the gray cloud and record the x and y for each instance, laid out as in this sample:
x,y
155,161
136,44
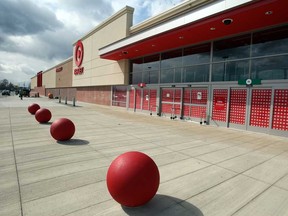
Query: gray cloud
x,y
23,17
97,10
37,34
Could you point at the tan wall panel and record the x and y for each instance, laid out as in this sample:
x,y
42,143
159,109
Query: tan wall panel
x,y
64,77
99,71
87,50
109,79
82,82
33,82
49,78
111,33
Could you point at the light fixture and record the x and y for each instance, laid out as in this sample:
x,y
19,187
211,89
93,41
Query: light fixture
x,y
181,37
227,21
268,12
212,29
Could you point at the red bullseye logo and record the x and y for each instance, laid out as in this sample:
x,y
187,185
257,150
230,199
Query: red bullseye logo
x,y
79,53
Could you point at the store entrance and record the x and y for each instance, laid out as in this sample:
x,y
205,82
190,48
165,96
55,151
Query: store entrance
x,y
237,113
143,100
243,108
171,102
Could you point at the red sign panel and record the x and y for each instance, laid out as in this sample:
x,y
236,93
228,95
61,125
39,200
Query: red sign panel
x,y
260,107
78,56
78,71
280,110
79,53
59,69
219,104
142,85
237,112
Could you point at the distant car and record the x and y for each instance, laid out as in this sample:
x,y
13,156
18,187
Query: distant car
x,y
26,92
6,92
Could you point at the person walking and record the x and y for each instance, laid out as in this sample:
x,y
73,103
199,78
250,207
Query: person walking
x,y
21,94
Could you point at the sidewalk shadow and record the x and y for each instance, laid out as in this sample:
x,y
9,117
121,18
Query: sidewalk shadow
x,y
166,206
46,123
74,142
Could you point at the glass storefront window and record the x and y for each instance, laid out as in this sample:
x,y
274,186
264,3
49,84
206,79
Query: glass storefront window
x,y
151,63
171,59
230,71
172,75
136,77
270,68
154,77
270,42
232,48
178,75
196,54
150,76
137,65
167,75
233,59
197,73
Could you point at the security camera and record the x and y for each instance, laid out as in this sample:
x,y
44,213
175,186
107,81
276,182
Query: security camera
x,y
227,21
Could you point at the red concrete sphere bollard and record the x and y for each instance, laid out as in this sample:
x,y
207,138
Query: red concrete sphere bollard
x,y
32,108
43,115
62,129
133,179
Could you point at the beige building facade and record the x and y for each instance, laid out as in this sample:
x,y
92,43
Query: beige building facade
x,y
221,63
98,71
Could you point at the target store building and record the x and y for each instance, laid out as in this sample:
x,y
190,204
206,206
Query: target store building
x,y
216,62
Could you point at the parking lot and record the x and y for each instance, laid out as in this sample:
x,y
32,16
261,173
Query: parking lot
x,y
204,170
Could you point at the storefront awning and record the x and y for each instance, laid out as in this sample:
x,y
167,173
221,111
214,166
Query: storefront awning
x,y
202,24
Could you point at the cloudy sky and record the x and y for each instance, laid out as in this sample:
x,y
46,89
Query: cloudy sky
x,y
37,34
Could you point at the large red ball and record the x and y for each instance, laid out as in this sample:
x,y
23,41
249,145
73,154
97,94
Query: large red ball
x,y
62,129
32,108
133,179
43,115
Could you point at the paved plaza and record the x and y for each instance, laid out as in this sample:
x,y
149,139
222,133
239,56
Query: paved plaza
x,y
204,170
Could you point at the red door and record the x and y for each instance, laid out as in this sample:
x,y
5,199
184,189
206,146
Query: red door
x,y
260,108
195,103
280,110
146,99
143,99
131,98
237,107
149,99
153,100
138,99
171,101
219,109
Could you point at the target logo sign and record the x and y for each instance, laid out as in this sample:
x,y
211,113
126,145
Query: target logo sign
x,y
78,55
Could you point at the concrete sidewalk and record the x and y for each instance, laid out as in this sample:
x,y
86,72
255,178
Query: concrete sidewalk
x,y
204,170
